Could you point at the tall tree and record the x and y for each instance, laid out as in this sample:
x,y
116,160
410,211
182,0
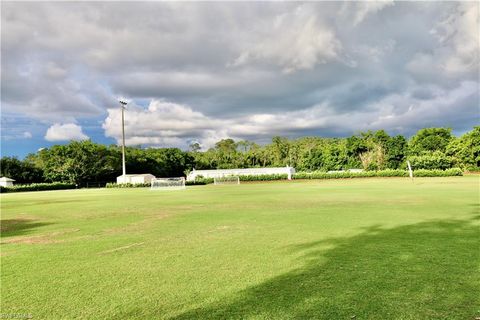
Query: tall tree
x,y
429,140
466,149
226,151
20,171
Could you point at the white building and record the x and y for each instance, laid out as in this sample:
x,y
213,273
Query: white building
x,y
136,178
289,171
6,182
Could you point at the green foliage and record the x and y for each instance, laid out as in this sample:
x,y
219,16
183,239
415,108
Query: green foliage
x,y
263,177
467,149
199,182
195,183
381,173
78,162
395,151
226,150
38,187
436,160
429,140
86,162
438,173
127,185
21,171
327,155
377,149
346,174
161,162
89,163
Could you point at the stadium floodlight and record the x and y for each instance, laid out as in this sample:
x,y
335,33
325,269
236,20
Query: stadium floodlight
x,y
226,180
168,183
123,104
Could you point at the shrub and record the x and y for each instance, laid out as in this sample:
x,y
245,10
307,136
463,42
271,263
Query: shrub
x,y
433,161
38,187
127,185
380,173
264,177
199,181
438,173
333,175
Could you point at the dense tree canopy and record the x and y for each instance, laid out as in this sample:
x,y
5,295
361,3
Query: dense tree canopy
x,y
85,161
21,171
429,140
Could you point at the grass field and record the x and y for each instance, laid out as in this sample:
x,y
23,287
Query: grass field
x,y
343,249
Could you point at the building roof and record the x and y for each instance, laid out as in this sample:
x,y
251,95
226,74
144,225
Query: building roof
x,y
3,179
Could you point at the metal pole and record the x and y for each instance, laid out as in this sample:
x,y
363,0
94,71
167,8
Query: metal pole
x,y
124,170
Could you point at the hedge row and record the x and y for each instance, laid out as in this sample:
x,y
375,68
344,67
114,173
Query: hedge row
x,y
438,173
127,185
263,177
38,187
381,173
435,161
340,175
199,182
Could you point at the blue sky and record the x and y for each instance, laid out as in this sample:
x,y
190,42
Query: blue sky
x,y
252,70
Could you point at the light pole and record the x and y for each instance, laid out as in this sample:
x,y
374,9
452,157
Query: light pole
x,y
124,170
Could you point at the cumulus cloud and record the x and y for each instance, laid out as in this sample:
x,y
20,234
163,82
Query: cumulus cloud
x,y
457,53
165,123
358,11
65,132
243,69
304,42
460,29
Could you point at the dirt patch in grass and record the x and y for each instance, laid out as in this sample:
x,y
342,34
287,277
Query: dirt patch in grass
x,y
137,226
40,239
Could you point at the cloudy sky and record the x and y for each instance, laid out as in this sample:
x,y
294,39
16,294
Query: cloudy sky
x,y
206,71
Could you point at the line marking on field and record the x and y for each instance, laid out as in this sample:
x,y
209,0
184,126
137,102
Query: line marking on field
x,y
122,248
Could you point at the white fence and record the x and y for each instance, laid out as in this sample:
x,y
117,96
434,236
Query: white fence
x,y
289,171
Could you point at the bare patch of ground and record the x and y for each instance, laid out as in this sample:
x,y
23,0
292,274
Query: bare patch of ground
x,y
40,239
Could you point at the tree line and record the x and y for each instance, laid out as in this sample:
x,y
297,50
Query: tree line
x,y
84,162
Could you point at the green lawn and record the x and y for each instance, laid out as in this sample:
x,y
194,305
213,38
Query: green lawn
x,y
343,249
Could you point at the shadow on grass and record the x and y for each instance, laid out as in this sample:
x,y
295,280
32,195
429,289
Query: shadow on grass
x,y
422,271
18,227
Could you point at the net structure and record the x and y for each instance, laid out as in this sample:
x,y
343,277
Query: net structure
x,y
168,183
226,180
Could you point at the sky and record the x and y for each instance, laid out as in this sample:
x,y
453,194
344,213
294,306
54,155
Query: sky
x,y
201,72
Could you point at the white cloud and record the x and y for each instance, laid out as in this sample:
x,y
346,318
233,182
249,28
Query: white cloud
x,y
359,10
65,132
461,30
27,135
457,55
241,70
170,124
295,40
162,123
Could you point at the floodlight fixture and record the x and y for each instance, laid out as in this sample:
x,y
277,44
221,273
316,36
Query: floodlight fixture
x,y
123,103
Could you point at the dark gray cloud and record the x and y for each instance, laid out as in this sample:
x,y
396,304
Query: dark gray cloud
x,y
244,70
